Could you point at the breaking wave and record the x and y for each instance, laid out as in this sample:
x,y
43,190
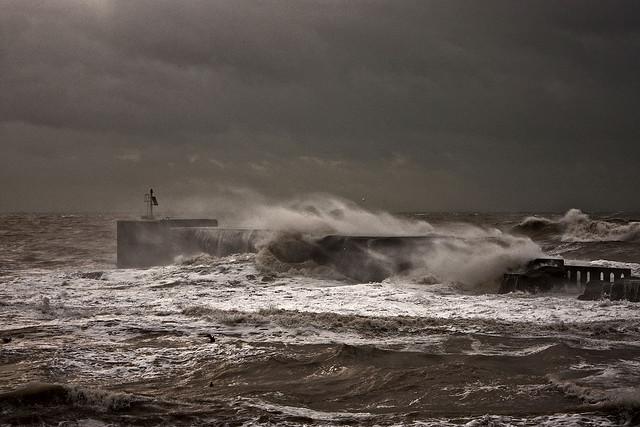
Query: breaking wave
x,y
402,326
331,237
611,387
59,394
576,226
472,262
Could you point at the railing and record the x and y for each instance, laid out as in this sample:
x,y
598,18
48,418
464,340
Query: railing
x,y
585,274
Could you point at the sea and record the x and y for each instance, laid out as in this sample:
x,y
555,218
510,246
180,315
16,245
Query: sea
x,y
244,339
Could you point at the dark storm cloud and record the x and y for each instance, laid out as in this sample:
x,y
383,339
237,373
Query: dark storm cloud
x,y
410,105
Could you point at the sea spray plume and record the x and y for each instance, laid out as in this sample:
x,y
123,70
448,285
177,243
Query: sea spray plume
x,y
461,253
310,232
315,213
243,207
308,235
291,233
475,260
326,214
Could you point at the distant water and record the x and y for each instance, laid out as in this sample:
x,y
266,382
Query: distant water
x,y
94,345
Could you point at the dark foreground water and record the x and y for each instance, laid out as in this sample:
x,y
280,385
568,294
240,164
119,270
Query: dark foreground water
x,y
298,344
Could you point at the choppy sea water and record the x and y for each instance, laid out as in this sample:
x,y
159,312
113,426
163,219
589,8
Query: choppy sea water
x,y
235,341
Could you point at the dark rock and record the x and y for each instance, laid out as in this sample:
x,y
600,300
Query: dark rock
x,y
212,339
93,275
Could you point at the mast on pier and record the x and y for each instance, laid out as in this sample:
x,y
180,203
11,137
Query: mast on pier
x,y
150,201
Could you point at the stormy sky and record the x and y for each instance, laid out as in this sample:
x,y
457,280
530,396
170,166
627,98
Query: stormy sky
x,y
402,105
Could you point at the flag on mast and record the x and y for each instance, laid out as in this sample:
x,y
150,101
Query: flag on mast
x,y
154,201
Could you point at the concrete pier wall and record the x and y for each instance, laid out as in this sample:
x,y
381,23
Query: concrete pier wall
x,y
154,242
362,258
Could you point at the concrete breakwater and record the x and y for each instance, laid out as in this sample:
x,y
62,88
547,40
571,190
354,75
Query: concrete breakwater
x,y
365,258
148,243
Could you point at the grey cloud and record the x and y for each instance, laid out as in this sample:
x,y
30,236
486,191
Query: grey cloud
x,y
496,104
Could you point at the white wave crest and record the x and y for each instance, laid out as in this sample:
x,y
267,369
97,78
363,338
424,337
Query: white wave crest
x,y
577,226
